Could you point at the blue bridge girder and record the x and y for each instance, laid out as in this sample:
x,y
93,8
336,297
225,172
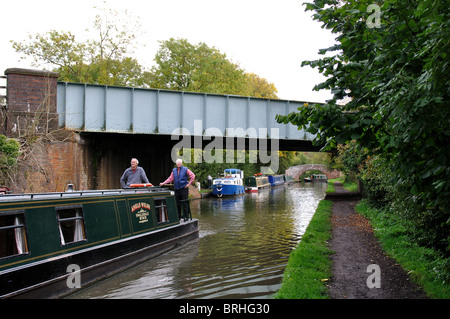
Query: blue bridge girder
x,y
99,108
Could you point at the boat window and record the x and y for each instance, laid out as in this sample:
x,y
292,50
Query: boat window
x,y
161,210
13,235
71,224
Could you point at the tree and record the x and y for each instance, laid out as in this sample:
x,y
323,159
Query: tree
x,y
260,87
183,66
391,62
105,59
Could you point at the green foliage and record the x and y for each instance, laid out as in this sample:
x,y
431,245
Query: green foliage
x,y
9,152
382,189
183,66
378,181
350,157
351,186
396,77
260,87
373,171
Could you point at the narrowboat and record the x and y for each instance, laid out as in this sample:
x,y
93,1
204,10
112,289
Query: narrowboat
x,y
230,184
288,179
317,178
48,240
276,180
256,183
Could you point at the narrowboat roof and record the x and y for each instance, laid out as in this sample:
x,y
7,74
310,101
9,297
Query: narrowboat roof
x,y
79,194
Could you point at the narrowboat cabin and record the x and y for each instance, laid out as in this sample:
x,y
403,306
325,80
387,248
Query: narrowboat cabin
x,y
317,178
276,180
231,184
256,183
44,237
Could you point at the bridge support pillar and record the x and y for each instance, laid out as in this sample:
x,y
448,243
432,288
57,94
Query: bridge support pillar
x,y
31,102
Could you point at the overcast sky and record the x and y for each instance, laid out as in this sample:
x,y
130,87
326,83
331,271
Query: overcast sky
x,y
266,37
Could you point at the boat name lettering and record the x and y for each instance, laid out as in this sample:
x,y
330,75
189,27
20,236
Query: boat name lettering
x,y
143,212
140,205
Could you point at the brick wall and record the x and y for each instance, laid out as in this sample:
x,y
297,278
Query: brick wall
x,y
48,166
31,101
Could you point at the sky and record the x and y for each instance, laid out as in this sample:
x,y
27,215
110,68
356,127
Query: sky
x,y
266,37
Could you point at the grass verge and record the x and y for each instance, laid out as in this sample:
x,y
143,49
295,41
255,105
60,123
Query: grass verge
x,y
426,267
350,186
330,186
309,265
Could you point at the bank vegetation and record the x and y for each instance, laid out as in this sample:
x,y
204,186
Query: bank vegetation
x,y
390,65
309,266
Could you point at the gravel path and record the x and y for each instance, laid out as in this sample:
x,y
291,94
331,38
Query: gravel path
x,y
356,248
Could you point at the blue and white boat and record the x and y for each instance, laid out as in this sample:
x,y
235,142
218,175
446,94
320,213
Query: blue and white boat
x,y
230,184
276,180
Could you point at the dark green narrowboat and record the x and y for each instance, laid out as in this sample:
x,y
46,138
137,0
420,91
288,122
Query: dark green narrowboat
x,y
256,183
52,243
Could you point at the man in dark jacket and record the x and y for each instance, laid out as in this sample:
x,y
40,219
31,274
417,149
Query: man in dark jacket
x,y
133,175
181,177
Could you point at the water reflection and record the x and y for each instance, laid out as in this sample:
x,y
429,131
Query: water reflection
x,y
242,250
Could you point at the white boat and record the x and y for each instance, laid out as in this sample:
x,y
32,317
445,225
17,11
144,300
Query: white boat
x,y
231,184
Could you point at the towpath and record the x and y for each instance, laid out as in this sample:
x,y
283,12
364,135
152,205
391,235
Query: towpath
x,y
357,249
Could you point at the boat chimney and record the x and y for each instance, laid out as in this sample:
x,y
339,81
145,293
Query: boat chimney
x,y
69,188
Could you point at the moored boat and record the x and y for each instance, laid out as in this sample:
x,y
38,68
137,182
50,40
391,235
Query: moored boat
x,y
288,179
45,237
317,178
276,180
256,183
230,184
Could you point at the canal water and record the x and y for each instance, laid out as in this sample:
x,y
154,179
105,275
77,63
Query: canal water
x,y
242,250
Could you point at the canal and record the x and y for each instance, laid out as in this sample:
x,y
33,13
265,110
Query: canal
x,y
242,250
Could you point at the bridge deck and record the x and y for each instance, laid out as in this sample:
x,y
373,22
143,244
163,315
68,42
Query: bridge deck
x,y
97,108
